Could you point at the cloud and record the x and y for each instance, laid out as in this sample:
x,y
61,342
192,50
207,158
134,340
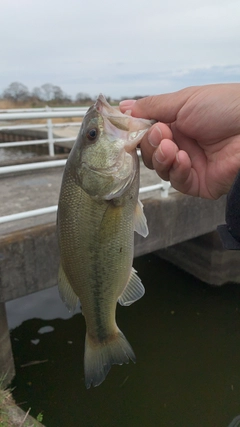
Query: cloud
x,y
119,48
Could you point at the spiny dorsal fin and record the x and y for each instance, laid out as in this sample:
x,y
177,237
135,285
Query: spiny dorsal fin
x,y
66,292
133,291
140,221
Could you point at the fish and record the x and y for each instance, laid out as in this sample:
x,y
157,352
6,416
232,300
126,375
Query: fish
x,y
98,212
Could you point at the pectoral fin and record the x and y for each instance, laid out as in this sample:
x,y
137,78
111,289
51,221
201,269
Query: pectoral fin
x,y
140,221
133,291
66,292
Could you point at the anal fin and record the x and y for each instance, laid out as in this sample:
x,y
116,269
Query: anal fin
x,y
133,291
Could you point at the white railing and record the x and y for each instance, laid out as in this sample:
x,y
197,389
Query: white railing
x,y
31,166
41,113
37,110
163,186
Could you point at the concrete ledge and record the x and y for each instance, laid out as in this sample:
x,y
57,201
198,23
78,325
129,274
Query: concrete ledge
x,y
29,258
14,415
178,218
7,369
205,258
28,261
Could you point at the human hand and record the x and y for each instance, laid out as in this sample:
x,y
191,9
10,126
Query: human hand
x,y
196,142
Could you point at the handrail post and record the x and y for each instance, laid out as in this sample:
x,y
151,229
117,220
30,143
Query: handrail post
x,y
165,188
50,135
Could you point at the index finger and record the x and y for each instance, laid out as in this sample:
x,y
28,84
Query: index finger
x,y
163,108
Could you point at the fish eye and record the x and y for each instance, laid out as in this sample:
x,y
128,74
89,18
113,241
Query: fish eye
x,y
92,134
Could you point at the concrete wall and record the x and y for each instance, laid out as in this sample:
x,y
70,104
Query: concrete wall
x,y
205,258
177,219
29,258
28,261
7,370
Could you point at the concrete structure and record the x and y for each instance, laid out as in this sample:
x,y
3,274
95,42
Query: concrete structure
x,y
29,258
181,230
205,258
29,254
12,415
41,137
7,370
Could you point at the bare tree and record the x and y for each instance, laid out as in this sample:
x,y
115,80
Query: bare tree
x,y
37,94
59,95
83,97
47,92
16,92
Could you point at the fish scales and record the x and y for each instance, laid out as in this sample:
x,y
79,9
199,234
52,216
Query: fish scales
x,y
108,257
97,214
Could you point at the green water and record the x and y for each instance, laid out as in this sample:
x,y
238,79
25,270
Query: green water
x,y
186,336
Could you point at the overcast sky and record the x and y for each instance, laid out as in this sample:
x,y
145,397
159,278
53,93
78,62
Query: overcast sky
x,y
119,48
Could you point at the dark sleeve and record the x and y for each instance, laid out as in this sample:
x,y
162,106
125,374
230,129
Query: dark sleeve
x,y
230,232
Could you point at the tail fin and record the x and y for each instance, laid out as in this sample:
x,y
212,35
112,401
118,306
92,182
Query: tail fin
x,y
99,357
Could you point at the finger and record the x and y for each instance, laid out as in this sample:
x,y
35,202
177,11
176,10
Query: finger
x,y
163,108
151,141
126,105
164,157
181,174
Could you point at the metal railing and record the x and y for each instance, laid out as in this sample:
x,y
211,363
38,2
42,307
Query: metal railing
x,y
47,113
37,110
163,186
41,113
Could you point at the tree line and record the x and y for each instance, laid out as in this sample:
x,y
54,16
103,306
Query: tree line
x,y
48,93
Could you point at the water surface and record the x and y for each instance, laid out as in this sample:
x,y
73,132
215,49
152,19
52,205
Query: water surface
x,y
186,336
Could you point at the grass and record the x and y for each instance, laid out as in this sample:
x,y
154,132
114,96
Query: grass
x,y
6,104
10,415
6,401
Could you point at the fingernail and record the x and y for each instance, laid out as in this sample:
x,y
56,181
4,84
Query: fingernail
x,y
176,163
159,156
127,104
155,137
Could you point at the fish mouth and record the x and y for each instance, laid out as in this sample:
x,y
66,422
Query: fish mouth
x,y
101,104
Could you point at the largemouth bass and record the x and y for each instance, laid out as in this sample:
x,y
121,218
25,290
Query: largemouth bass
x,y
98,212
